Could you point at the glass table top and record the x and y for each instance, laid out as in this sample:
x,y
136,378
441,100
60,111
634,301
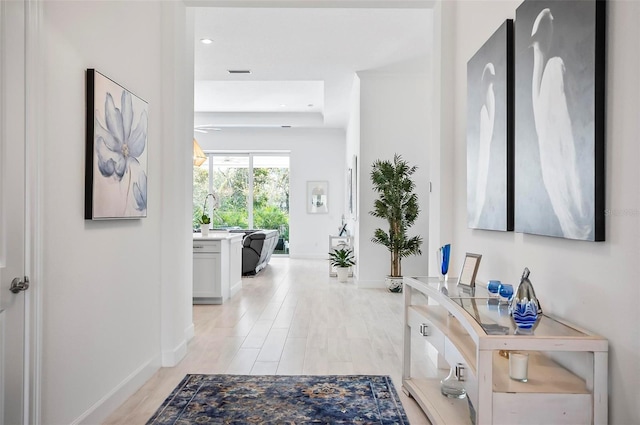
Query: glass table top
x,y
492,311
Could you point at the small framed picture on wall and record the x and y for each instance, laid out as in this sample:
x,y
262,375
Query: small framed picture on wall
x,y
317,197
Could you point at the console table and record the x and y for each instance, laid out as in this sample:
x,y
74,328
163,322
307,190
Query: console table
x,y
217,267
466,325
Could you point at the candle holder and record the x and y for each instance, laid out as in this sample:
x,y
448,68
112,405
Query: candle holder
x,y
518,366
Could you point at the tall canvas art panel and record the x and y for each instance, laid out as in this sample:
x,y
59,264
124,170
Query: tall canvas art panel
x,y
559,144
490,133
116,156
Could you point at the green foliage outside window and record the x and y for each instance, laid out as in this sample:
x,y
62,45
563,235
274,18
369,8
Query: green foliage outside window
x,y
231,185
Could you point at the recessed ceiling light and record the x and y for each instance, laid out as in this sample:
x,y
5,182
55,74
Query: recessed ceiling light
x,y
310,105
239,71
282,105
206,41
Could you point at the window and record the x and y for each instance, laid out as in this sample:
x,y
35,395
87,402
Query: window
x,y
252,191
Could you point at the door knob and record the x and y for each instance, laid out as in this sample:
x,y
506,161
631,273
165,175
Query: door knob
x,y
18,285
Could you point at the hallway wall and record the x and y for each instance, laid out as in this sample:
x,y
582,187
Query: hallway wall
x,y
104,286
593,285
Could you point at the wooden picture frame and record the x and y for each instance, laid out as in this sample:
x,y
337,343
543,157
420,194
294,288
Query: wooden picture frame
x,y
469,269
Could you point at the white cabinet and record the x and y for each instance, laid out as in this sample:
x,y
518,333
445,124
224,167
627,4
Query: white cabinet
x,y
462,325
207,273
217,267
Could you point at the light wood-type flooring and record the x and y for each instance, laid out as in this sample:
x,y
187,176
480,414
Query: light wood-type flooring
x,y
291,319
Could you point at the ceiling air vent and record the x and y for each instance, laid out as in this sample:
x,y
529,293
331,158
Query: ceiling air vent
x,y
239,71
285,126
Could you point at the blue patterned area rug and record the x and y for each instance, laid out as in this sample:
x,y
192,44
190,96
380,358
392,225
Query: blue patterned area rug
x,y
242,399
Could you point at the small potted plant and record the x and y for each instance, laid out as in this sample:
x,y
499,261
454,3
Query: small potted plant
x,y
205,221
342,259
205,218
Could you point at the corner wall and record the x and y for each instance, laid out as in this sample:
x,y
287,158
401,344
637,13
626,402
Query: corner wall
x,y
394,118
103,281
315,154
353,149
594,285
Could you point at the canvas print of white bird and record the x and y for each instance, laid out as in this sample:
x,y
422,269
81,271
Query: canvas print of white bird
x,y
489,202
558,160
559,117
487,121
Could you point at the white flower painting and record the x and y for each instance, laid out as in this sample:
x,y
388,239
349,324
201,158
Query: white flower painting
x,y
116,151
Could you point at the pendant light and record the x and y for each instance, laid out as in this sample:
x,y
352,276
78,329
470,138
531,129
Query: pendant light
x,y
198,156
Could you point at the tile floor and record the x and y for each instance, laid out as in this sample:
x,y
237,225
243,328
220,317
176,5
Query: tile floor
x,y
291,319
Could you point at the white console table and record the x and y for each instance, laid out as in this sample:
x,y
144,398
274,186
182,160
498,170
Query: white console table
x,y
217,267
464,325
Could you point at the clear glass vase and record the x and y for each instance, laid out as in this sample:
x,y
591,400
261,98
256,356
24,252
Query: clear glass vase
x,y
453,385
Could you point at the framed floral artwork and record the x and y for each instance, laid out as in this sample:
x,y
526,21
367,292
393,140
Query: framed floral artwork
x,y
116,155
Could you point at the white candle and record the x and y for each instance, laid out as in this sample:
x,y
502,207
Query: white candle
x,y
518,366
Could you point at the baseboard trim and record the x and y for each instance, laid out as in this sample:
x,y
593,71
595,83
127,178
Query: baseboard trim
x,y
106,405
190,332
170,358
371,284
235,288
309,256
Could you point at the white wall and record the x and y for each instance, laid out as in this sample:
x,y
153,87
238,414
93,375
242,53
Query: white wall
x,y
353,149
103,281
394,118
315,155
594,285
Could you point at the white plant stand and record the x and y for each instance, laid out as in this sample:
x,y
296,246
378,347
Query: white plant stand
x,y
336,242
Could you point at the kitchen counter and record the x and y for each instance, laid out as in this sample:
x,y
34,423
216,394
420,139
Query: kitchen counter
x,y
217,267
217,236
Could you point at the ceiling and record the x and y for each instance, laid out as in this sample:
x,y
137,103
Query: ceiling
x,y
302,61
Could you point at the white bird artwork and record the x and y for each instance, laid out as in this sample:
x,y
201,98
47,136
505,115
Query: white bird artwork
x,y
487,120
558,161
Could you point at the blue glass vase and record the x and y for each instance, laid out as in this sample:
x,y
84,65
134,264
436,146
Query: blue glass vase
x,y
444,253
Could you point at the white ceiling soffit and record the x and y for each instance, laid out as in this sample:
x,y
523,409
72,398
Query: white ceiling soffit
x,y
300,56
209,121
259,96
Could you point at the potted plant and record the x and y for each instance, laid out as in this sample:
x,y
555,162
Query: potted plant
x,y
205,218
398,205
342,259
204,221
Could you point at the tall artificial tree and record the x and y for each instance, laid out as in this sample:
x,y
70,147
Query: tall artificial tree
x,y
398,204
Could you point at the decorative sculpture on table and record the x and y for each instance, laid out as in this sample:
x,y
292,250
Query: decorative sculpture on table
x,y
444,253
525,307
